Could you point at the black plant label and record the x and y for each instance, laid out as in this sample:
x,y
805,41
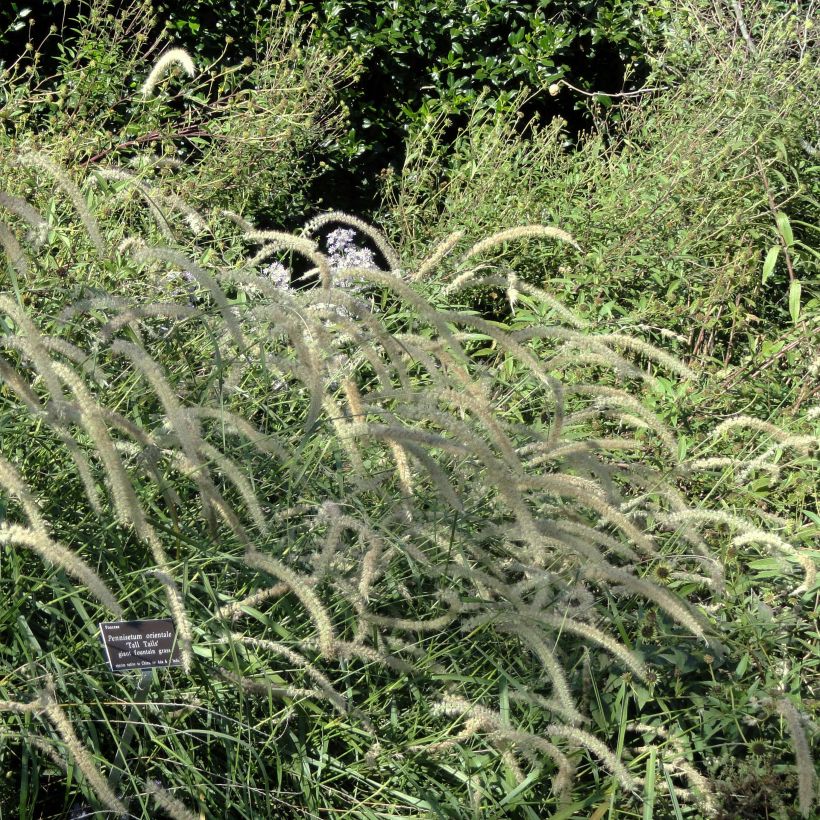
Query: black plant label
x,y
140,644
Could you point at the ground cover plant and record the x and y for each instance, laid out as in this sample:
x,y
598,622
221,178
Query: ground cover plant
x,y
422,560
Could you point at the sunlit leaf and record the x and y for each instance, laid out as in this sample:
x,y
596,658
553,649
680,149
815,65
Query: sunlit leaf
x,y
784,228
794,300
769,263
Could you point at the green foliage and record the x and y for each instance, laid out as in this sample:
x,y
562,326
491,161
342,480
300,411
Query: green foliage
x,y
424,57
421,562
237,136
676,206
449,52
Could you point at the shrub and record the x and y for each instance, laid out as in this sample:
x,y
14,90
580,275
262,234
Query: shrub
x,y
237,133
676,206
422,56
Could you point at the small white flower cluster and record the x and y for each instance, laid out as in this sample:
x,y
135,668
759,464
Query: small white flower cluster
x,y
278,274
343,253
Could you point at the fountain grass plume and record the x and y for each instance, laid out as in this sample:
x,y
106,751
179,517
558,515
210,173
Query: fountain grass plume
x,y
12,483
440,252
179,615
596,636
153,196
184,427
213,504
665,600
81,755
40,543
227,467
744,422
803,445
807,774
268,688
171,805
236,609
44,163
338,701
122,491
232,423
174,56
585,740
16,255
517,234
477,279
497,730
557,676
29,340
379,239
24,210
145,253
300,587
747,534
277,240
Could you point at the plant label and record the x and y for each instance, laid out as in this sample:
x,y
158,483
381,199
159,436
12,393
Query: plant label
x,y
140,644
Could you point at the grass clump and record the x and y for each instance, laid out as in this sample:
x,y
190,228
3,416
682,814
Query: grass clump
x,y
363,484
418,559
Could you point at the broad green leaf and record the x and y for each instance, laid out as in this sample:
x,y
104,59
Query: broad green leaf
x,y
784,228
794,300
767,563
769,263
768,348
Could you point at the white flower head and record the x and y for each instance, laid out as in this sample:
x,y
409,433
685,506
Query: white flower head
x,y
278,274
344,254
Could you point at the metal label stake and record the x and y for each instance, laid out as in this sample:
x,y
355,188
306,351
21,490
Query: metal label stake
x,y
130,645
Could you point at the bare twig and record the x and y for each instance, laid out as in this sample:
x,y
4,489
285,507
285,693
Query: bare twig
x,y
187,131
733,378
623,94
741,24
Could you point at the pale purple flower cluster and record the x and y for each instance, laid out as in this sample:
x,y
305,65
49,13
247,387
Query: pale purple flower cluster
x,y
344,254
278,274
